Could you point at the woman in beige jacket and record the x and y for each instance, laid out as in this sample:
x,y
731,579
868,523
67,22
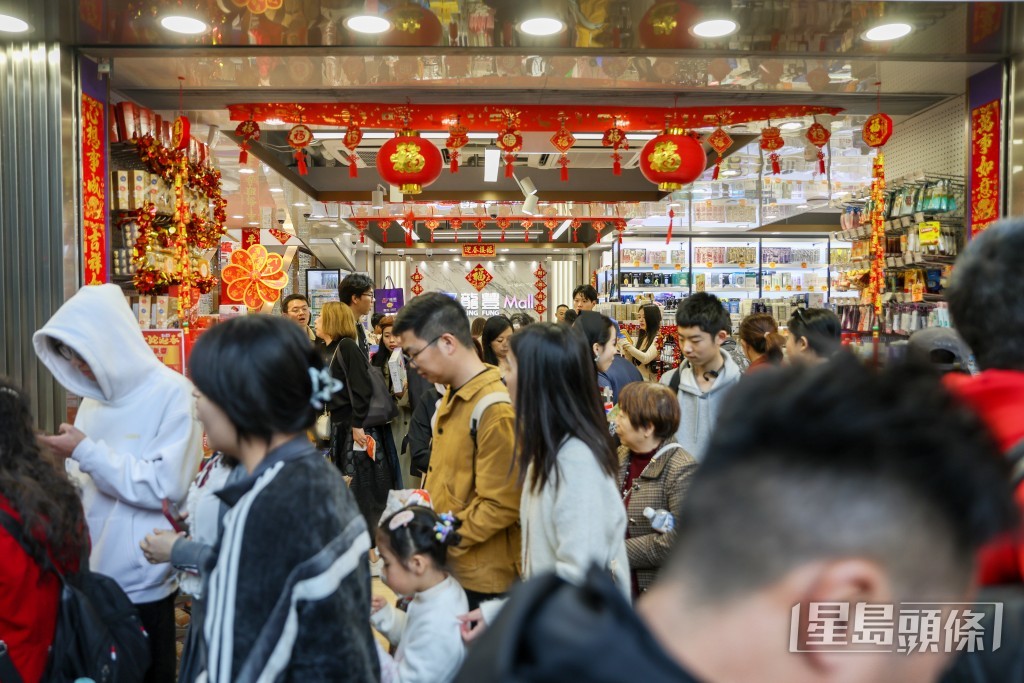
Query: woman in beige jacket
x,y
646,350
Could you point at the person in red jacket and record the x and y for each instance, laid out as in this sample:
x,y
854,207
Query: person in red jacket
x,y
41,500
986,302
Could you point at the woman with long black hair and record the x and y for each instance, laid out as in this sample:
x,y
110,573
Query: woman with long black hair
x,y
815,335
645,351
43,504
571,512
494,340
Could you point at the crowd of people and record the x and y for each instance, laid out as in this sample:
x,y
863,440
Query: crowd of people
x,y
545,502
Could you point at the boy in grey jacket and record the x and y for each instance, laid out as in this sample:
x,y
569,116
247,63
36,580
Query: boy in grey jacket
x,y
706,373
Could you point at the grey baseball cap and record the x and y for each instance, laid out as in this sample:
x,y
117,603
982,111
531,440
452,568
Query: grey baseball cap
x,y
941,346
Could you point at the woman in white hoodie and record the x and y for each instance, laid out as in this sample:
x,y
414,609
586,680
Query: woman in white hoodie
x,y
571,511
135,443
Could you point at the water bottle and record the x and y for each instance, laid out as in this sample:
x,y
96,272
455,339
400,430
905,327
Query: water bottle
x,y
662,521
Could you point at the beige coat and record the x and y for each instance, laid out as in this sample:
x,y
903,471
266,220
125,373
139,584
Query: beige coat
x,y
662,486
643,357
480,486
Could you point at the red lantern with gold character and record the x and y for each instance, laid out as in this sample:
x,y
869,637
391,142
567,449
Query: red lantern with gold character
x,y
510,141
819,135
666,26
409,162
299,138
772,142
181,133
248,131
615,138
673,159
877,130
412,25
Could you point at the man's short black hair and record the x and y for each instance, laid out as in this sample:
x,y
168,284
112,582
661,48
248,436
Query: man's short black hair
x,y
293,297
986,299
432,314
842,461
705,311
354,285
561,306
588,292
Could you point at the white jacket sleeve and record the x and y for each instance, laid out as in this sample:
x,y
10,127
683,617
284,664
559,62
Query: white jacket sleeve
x,y
145,479
390,621
580,527
432,654
644,357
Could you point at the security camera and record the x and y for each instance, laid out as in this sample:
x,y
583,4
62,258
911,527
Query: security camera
x,y
401,252
378,250
280,221
430,252
493,213
306,215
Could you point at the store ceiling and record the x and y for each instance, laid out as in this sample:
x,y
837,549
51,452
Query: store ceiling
x,y
785,51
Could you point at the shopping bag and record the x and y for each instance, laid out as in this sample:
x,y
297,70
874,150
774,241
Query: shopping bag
x,y
387,301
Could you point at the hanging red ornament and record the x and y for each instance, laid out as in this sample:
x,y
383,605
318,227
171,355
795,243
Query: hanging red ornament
x,y
417,276
409,162
576,224
353,136
551,224
772,142
540,272
458,137
615,138
666,26
503,225
181,133
819,135
671,219
432,224
598,226
720,141
456,225
361,224
527,224
877,130
673,159
412,25
479,224
384,225
416,289
248,131
299,138
620,227
409,227
563,140
510,141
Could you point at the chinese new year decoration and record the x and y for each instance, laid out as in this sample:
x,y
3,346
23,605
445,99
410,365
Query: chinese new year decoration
x,y
409,162
576,224
94,191
819,135
671,220
666,25
598,226
409,228
353,136
615,138
249,132
455,224
361,224
280,235
510,141
551,224
254,276
417,278
412,25
563,140
672,159
503,225
877,131
540,273
620,227
181,133
432,224
299,138
772,142
720,141
479,277
479,224
384,225
985,136
458,137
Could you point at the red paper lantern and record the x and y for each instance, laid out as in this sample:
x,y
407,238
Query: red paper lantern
x,y
248,131
673,159
412,26
666,26
877,130
772,142
409,162
299,138
181,133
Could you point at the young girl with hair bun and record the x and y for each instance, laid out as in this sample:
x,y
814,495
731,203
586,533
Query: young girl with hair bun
x,y
414,544
761,341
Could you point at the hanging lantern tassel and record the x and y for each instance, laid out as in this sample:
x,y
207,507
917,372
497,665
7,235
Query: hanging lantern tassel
x,y
353,136
551,224
248,131
432,225
510,141
299,138
818,135
772,142
300,158
615,138
671,219
620,227
409,224
456,225
575,225
563,140
458,136
361,227
479,224
720,141
503,223
526,230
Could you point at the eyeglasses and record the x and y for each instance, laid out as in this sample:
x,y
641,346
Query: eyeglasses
x,y
410,359
369,294
798,313
66,352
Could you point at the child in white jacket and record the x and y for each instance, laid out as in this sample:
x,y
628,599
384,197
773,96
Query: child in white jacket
x,y
414,543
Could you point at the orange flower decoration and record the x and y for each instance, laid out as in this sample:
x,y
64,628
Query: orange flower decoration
x,y
254,276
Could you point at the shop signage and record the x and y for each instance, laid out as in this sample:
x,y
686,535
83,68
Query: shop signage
x,y
94,206
491,303
169,347
985,144
478,250
523,304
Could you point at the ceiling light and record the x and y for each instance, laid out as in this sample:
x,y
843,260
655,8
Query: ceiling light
x,y
254,222
530,205
332,225
298,204
562,228
276,189
776,233
542,26
714,28
527,186
791,125
801,206
238,216
246,171
491,158
729,173
180,23
9,24
367,23
453,250
890,31
504,249
377,199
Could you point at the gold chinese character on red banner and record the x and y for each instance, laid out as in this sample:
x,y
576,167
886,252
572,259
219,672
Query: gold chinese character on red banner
x,y
479,277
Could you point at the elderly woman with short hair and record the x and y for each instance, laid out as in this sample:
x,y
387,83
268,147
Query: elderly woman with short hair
x,y
654,472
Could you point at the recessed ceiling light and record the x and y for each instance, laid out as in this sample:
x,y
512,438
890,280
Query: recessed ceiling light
x,y
246,171
542,26
254,223
801,206
276,189
504,249
453,250
238,216
9,24
890,31
367,23
298,204
180,23
274,122
332,225
729,173
776,233
791,125
714,28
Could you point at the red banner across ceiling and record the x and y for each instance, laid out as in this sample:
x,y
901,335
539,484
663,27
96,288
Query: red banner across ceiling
x,y
527,117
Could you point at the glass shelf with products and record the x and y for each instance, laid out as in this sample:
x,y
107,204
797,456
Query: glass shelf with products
x,y
726,266
794,265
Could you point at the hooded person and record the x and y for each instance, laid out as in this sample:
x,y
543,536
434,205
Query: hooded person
x,y
135,443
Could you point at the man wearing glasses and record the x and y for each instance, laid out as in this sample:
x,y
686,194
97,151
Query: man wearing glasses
x,y
356,292
135,445
296,308
471,470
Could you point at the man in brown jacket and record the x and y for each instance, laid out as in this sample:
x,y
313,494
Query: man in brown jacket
x,y
472,475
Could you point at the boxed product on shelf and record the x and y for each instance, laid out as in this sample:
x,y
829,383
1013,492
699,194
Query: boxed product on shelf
x,y
657,257
700,282
120,190
162,313
808,256
677,256
840,255
634,255
139,189
777,255
741,255
713,255
145,311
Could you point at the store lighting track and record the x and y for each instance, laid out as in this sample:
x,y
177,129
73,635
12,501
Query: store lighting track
x,y
561,229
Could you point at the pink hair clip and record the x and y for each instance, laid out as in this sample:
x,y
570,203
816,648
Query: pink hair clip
x,y
401,519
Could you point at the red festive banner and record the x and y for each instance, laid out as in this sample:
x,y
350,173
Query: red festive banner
x,y
479,277
533,117
250,237
94,192
251,196
169,347
478,250
985,142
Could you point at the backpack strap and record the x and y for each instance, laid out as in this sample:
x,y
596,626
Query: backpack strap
x,y
481,406
8,674
1016,457
673,383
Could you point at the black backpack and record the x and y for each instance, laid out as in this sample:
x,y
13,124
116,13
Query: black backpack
x,y
99,634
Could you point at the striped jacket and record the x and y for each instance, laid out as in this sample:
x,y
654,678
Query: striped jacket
x,y
289,598
662,486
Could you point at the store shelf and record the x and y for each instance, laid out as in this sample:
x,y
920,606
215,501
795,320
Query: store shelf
x,y
655,289
670,267
736,290
810,266
737,266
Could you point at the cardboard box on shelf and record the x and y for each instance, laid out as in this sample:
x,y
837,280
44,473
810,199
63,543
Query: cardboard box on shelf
x,y
163,311
120,190
139,189
145,311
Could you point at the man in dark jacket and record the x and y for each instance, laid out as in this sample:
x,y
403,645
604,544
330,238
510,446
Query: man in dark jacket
x,y
880,497
356,292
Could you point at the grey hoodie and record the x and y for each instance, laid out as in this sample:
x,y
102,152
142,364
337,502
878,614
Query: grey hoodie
x,y
699,411
143,442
